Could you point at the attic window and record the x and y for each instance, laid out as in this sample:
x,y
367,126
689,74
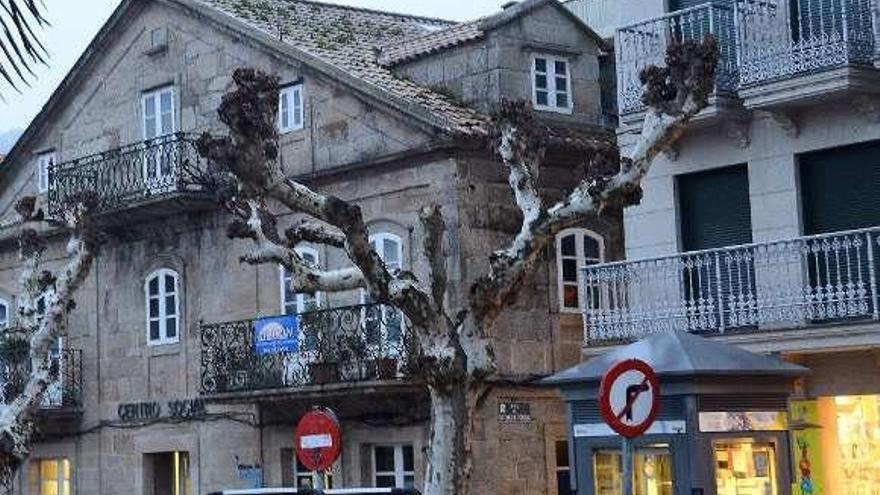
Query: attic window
x,y
551,81
290,108
158,42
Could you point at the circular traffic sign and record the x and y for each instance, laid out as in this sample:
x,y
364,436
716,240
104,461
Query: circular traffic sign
x,y
318,439
629,397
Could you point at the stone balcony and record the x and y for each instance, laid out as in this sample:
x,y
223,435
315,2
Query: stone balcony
x,y
773,53
148,177
807,287
326,351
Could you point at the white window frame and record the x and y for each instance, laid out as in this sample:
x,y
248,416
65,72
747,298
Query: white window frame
x,y
295,113
44,162
284,280
156,94
581,258
162,317
60,478
399,473
375,240
551,83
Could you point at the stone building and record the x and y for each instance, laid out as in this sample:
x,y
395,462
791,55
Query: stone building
x,y
161,388
761,229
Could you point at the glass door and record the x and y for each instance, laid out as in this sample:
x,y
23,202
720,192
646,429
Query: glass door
x,y
745,467
652,471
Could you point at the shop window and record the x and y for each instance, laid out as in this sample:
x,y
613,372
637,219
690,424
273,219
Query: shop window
x,y
162,289
652,471
858,438
50,477
575,249
393,466
292,302
745,466
168,473
563,470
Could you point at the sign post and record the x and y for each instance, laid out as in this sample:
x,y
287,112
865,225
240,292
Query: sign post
x,y
318,442
629,397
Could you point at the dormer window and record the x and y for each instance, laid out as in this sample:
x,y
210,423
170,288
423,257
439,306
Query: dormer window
x,y
290,108
551,81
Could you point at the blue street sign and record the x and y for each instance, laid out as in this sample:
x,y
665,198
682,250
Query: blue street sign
x,y
276,335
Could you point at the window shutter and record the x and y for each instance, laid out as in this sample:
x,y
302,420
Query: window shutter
x,y
714,208
840,188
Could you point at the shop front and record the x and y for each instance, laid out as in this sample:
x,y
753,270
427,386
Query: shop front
x,y
722,425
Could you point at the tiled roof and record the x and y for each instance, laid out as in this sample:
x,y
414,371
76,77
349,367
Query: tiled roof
x,y
393,54
349,39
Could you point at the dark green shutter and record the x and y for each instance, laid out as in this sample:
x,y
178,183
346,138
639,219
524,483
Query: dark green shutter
x,y
840,188
714,208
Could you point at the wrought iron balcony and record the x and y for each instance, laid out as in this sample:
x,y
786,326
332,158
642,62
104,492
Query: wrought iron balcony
x,y
131,175
782,38
801,282
640,45
340,345
65,388
760,41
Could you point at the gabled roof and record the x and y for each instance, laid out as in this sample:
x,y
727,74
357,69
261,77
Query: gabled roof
x,y
681,354
348,39
396,53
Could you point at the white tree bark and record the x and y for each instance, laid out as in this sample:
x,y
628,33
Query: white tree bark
x,y
42,330
452,345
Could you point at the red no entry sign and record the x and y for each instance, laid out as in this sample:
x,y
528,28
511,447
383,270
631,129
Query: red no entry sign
x,y
629,397
318,440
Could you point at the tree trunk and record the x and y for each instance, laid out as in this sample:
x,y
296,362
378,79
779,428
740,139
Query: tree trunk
x,y
448,445
8,467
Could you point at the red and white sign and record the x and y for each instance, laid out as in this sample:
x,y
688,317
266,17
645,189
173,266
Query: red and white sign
x,y
318,440
629,396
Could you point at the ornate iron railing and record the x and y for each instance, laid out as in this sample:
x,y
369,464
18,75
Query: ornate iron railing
x,y
350,344
781,38
130,175
783,284
640,45
65,388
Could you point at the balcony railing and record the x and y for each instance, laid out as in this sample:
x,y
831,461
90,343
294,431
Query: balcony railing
x,y
130,175
65,387
760,41
340,345
794,283
781,38
640,45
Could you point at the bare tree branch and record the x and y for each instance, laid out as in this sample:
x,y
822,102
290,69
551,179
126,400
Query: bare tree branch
x,y
434,225
315,234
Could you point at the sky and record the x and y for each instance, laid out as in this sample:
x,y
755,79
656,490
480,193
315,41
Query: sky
x,y
75,23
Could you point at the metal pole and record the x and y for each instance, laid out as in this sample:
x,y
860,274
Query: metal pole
x,y
626,447
319,482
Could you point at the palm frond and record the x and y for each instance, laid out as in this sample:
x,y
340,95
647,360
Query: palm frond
x,y
20,45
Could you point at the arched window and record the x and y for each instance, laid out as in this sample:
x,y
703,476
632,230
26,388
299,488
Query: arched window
x,y
575,249
292,302
384,324
4,313
162,290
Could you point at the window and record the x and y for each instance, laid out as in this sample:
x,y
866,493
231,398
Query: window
x,y
291,302
563,470
384,324
393,466
162,290
4,313
50,477
159,113
290,111
170,473
44,162
575,249
551,80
